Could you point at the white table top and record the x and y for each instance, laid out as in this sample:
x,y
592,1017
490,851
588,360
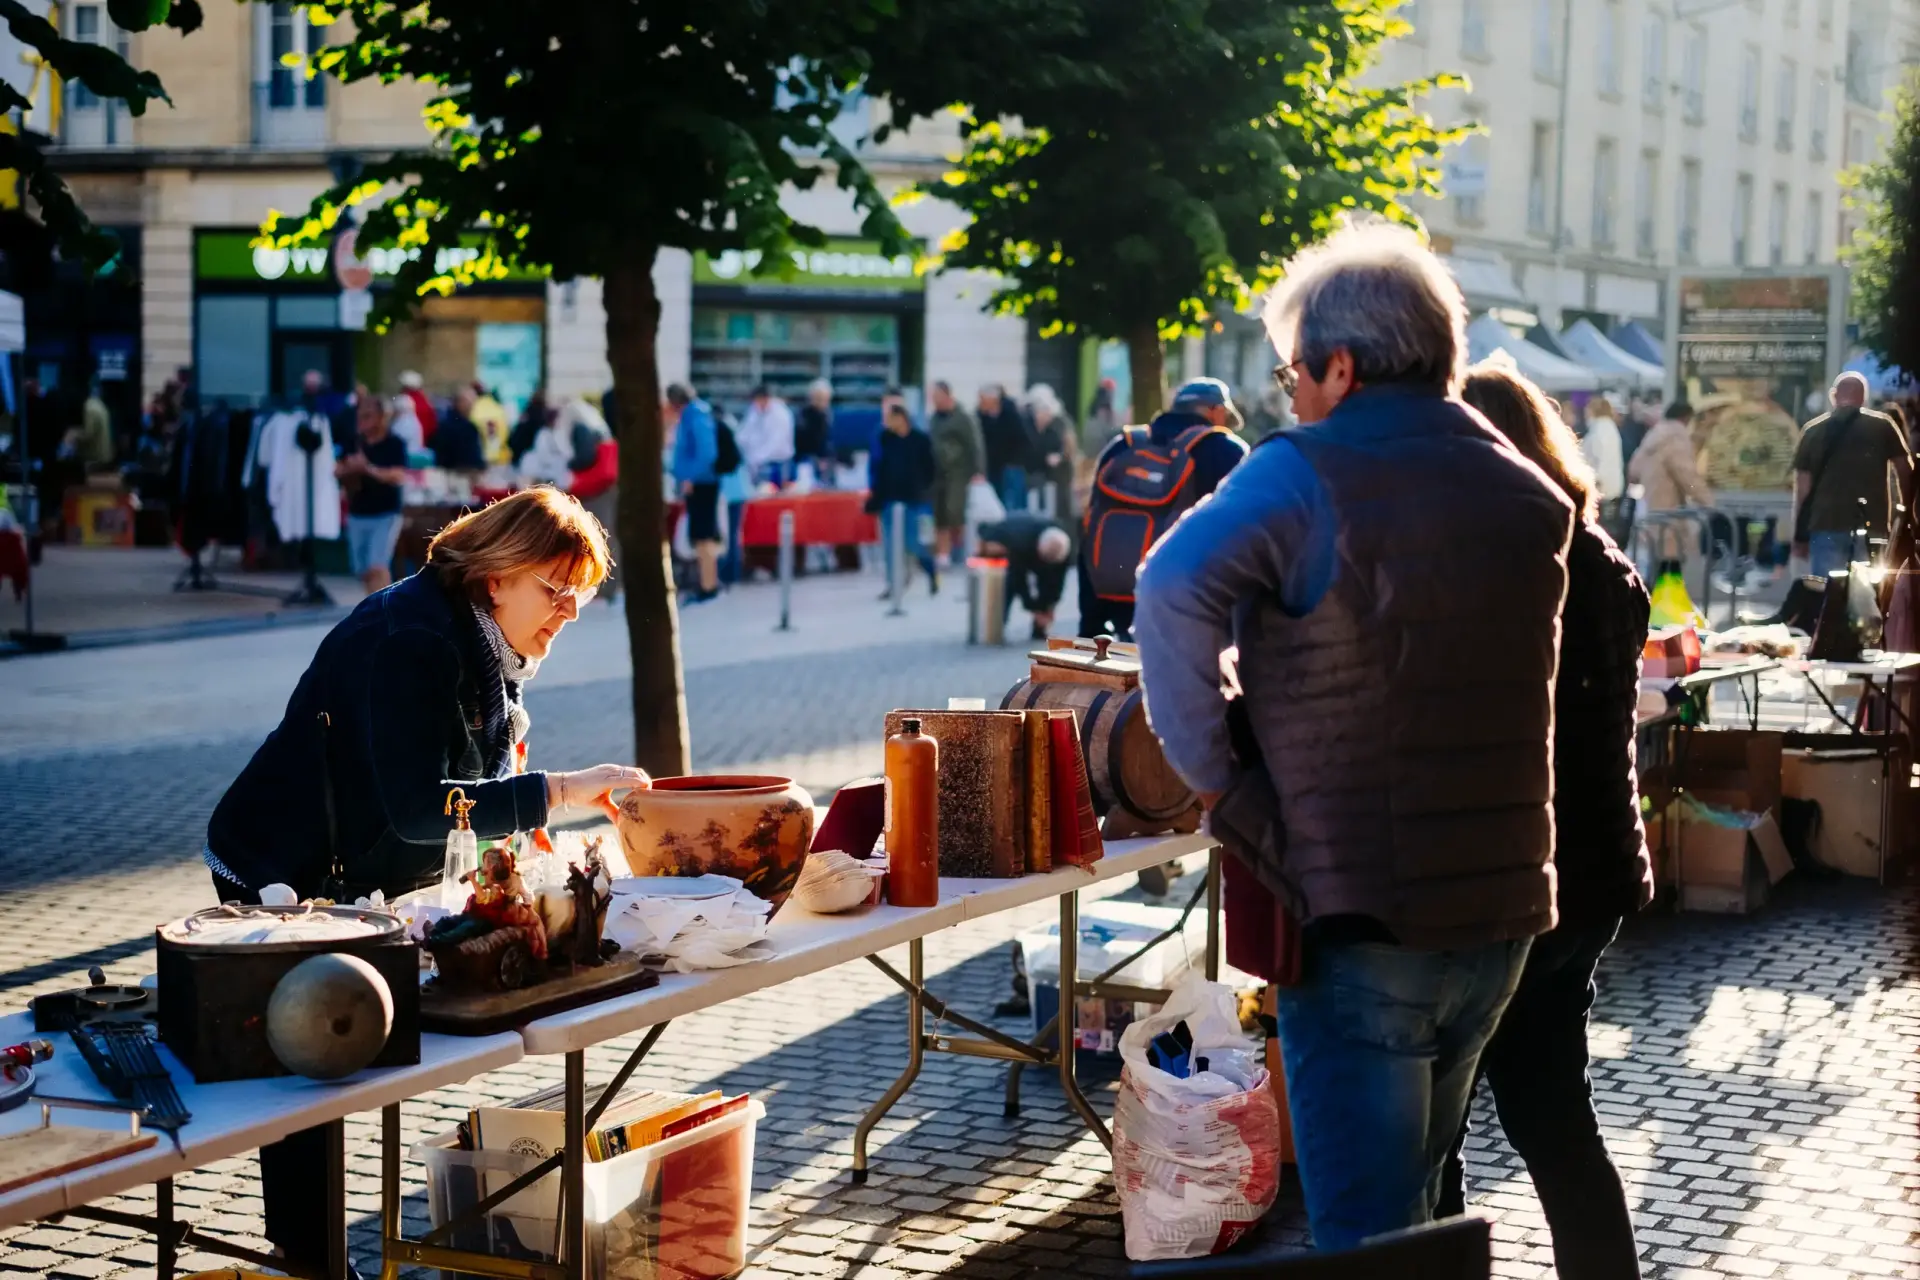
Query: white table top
x,y
808,943
228,1119
1886,664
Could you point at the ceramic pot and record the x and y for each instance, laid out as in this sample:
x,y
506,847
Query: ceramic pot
x,y
755,829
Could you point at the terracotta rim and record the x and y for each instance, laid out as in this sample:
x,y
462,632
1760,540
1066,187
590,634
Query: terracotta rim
x,y
722,784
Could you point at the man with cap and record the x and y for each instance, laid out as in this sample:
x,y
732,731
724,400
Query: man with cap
x,y
1201,421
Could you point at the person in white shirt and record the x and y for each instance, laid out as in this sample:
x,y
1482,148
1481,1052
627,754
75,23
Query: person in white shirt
x,y
1602,447
766,437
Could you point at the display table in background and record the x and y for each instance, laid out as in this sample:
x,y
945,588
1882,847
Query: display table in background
x,y
834,518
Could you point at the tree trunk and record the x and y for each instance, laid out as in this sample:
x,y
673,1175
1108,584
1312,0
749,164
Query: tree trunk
x,y
660,744
1147,366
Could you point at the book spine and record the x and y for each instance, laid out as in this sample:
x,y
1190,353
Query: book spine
x,y
699,1118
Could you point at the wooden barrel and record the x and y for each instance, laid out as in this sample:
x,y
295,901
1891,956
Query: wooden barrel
x,y
1124,760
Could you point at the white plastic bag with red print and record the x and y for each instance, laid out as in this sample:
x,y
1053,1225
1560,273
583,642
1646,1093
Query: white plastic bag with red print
x,y
1196,1160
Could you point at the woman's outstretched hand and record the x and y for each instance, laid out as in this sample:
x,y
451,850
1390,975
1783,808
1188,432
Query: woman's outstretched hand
x,y
594,787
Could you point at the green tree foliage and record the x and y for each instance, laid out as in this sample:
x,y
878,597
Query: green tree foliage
x,y
1130,163
1885,254
108,76
583,136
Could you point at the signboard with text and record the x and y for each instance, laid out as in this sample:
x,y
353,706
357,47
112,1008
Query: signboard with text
x,y
233,256
1754,353
843,265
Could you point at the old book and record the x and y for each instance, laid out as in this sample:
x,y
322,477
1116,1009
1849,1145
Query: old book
x,y
983,828
1076,827
1039,791
646,1128
854,819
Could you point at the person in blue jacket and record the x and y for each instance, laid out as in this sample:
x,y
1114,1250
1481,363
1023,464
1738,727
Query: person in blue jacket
x,y
696,455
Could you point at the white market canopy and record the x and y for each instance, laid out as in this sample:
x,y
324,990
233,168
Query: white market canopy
x,y
1585,343
1546,370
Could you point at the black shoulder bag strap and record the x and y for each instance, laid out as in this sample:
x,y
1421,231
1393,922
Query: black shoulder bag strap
x,y
1805,514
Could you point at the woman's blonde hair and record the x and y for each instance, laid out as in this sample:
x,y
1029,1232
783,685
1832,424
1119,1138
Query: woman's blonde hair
x,y
1529,419
516,533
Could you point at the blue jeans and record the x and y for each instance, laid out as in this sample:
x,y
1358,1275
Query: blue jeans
x,y
731,561
1828,552
918,515
1013,488
1381,1044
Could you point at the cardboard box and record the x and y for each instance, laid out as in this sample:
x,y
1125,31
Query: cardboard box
x,y
1732,768
1847,787
1728,869
1277,1080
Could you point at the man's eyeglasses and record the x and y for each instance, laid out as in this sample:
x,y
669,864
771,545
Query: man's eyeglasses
x,y
578,596
1287,376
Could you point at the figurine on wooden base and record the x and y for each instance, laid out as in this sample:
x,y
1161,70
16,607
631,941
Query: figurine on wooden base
x,y
498,943
575,917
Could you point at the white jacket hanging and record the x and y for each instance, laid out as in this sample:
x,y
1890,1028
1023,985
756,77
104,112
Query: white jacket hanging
x,y
287,477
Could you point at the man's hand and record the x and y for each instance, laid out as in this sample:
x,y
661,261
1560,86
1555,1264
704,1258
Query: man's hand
x,y
686,488
1208,799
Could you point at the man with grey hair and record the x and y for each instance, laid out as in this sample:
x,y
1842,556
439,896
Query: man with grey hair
x,y
1840,478
1379,592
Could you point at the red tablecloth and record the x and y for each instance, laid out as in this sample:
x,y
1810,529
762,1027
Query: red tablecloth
x,y
14,563
827,519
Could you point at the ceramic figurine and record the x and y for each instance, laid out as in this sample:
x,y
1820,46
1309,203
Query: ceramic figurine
x,y
499,941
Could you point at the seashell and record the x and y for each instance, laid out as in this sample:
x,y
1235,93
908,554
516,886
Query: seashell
x,y
833,881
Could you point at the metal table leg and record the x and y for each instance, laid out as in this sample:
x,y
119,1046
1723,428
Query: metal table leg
x,y
573,1165
1069,982
916,1055
165,1250
389,1188
1213,913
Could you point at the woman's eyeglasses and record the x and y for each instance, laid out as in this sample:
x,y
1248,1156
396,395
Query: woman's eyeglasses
x,y
1287,376
579,597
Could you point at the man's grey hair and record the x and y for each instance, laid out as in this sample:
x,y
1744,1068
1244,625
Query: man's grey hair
x,y
1376,291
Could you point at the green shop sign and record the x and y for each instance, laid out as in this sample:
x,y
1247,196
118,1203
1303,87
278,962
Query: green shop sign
x,y
843,264
232,255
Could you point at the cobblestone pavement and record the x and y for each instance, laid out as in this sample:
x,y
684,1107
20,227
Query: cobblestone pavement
x,y
1759,1077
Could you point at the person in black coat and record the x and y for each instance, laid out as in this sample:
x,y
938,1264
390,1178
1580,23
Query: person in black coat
x,y
1536,1062
902,481
414,692
1010,445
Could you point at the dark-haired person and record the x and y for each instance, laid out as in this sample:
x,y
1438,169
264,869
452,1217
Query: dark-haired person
x,y
416,691
1536,1063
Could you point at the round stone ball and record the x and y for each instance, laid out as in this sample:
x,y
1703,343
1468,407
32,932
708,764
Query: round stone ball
x,y
329,1016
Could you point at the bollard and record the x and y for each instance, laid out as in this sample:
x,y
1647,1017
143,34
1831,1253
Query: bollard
x,y
897,562
1050,507
786,571
986,601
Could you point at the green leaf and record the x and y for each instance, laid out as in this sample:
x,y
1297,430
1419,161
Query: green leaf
x,y
138,15
185,16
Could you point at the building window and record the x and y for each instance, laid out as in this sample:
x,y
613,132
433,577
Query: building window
x,y
1539,171
1859,70
1777,225
1473,29
1610,49
1750,93
88,121
1410,14
1547,17
1693,74
1825,20
1653,57
1687,238
290,108
1793,13
1466,174
1605,181
295,35
1646,196
1784,105
1821,107
1815,216
1742,217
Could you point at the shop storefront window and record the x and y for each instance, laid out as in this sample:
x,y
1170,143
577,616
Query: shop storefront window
x,y
231,356
735,351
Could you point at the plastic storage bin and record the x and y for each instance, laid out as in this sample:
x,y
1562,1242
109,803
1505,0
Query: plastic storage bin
x,y
676,1210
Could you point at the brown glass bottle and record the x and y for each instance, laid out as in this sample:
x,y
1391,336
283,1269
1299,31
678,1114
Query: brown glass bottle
x,y
913,818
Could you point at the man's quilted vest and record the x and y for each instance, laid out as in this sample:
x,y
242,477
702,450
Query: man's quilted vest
x,y
1408,718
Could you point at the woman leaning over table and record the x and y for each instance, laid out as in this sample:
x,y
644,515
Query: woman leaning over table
x,y
416,691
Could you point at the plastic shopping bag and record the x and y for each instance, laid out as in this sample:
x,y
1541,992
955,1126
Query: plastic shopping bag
x,y
983,505
1196,1160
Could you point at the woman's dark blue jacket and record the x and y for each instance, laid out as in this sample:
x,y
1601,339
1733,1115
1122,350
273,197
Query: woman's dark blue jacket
x,y
403,700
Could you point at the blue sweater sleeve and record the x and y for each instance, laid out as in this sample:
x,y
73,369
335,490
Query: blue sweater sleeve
x,y
1266,531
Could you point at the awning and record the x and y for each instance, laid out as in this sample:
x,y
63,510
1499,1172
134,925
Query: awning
x,y
1585,343
1546,370
1633,338
1543,337
1486,282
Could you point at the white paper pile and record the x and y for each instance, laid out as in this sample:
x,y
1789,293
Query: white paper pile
x,y
709,928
